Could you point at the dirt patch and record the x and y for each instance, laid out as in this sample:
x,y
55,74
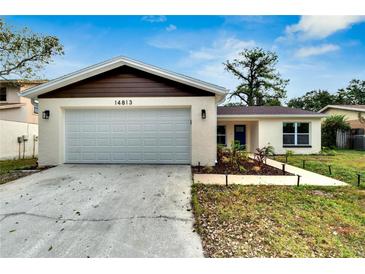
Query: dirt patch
x,y
245,167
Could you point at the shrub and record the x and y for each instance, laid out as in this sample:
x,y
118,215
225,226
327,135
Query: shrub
x,y
261,154
237,152
225,160
330,126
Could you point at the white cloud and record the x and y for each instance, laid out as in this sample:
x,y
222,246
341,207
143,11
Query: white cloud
x,y
316,50
319,27
171,27
221,49
154,18
207,62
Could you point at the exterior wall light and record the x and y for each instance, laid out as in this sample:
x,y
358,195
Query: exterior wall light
x,y
204,114
45,114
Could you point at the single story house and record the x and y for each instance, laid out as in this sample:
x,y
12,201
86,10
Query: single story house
x,y
14,107
125,111
355,116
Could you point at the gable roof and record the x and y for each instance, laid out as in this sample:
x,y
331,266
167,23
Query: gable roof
x,y
264,111
345,107
115,63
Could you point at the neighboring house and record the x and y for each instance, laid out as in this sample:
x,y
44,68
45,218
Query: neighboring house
x,y
355,115
125,111
18,118
14,107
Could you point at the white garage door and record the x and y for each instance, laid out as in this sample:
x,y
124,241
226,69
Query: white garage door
x,y
145,136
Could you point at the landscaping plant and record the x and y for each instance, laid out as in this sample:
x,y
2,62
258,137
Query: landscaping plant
x,y
261,154
235,160
330,126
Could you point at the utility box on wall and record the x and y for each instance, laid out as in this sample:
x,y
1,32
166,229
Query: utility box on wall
x,y
17,139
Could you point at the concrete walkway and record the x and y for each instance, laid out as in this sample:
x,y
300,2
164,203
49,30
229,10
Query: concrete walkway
x,y
307,177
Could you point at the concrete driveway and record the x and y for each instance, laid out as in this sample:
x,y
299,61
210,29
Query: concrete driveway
x,y
99,211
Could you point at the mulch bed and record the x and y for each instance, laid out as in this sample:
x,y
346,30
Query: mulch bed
x,y
250,167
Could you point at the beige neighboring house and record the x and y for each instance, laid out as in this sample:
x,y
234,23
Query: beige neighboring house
x,y
355,114
14,107
126,111
18,118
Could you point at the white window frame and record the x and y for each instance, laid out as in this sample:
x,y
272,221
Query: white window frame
x,y
296,134
221,135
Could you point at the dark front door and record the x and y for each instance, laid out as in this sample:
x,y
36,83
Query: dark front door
x,y
240,134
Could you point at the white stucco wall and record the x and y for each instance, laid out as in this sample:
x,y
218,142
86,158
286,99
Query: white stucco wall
x,y
9,146
251,132
271,132
51,132
263,131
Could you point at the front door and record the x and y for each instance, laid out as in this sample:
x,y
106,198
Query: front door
x,y
240,134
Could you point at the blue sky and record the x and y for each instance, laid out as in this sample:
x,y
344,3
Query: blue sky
x,y
315,52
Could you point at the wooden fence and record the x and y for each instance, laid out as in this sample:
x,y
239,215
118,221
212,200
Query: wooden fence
x,y
344,139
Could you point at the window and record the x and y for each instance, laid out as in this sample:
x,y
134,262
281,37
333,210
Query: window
x,y
221,135
2,94
296,134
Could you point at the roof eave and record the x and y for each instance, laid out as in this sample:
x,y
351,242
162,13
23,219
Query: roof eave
x,y
253,116
341,107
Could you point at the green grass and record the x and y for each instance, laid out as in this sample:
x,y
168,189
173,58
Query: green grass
x,y
345,164
280,221
7,166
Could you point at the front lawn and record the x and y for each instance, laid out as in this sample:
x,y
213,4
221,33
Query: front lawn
x,y
280,221
10,169
345,164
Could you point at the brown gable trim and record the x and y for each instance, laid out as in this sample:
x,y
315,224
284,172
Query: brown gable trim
x,y
128,82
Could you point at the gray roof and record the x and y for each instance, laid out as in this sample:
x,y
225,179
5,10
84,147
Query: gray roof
x,y
263,110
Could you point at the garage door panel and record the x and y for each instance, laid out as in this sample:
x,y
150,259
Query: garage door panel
x,y
102,128
118,142
128,136
119,157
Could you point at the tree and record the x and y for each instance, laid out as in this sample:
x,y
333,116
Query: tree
x,y
330,126
353,94
260,83
24,53
313,100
